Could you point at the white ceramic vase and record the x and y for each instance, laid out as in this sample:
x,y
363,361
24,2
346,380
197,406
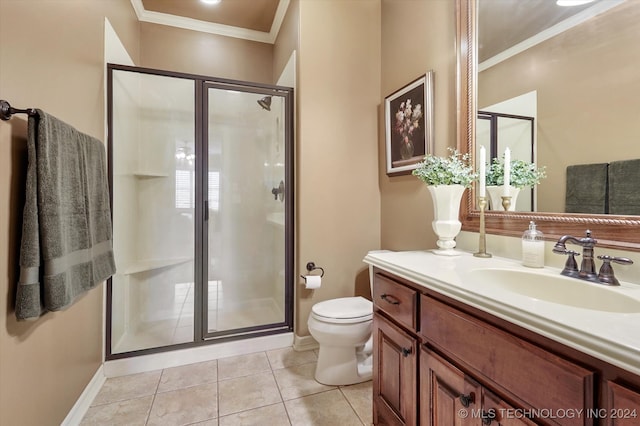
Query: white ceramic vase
x,y
446,224
495,197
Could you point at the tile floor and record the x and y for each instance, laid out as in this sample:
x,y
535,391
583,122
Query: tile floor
x,y
264,388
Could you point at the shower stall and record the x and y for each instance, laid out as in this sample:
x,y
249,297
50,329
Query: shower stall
x,y
201,190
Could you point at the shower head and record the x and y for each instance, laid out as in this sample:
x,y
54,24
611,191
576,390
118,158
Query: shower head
x,y
265,103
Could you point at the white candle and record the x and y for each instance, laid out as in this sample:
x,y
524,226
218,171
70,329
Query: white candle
x,y
482,177
507,172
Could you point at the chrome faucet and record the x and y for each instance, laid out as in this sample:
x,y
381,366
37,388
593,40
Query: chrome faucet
x,y
587,267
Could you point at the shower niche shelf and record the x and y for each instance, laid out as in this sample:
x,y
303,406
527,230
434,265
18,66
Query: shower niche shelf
x,y
149,175
153,264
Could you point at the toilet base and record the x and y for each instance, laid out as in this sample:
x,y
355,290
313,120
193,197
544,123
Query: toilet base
x,y
339,366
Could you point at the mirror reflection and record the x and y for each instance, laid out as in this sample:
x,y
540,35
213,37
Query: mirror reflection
x,y
559,87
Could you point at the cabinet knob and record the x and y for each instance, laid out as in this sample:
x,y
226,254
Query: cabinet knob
x,y
389,299
406,352
466,400
488,416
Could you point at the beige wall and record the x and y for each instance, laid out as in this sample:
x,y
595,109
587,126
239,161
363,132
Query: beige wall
x,y
338,203
287,40
345,204
176,49
416,36
51,57
587,85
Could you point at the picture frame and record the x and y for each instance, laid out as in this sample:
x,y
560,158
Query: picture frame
x,y
409,139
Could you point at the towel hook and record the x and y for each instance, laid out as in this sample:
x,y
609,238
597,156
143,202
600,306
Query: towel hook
x,y
312,267
6,110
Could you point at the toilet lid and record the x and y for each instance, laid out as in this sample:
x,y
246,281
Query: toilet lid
x,y
344,308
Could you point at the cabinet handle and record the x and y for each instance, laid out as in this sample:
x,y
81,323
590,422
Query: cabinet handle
x,y
466,400
488,416
390,299
406,352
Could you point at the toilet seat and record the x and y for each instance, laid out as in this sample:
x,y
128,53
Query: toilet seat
x,y
344,310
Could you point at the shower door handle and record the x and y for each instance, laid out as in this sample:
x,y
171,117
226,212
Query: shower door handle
x,y
206,210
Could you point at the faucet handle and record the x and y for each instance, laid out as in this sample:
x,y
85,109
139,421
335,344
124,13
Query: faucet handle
x,y
571,266
606,275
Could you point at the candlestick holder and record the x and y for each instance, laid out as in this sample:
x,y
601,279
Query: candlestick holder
x,y
482,243
506,202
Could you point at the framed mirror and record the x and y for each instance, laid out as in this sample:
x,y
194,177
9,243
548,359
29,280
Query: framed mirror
x,y
614,133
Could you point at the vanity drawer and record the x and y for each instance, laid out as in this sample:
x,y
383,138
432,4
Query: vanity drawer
x,y
538,377
397,300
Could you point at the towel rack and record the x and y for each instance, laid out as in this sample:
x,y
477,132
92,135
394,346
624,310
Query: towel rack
x,y
6,110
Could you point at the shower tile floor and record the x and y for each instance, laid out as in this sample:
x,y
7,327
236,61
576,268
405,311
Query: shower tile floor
x,y
272,388
174,323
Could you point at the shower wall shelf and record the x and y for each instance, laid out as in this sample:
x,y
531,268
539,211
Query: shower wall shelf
x,y
153,264
276,219
150,175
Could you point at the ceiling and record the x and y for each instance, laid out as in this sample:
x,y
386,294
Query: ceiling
x,y
257,20
505,23
502,23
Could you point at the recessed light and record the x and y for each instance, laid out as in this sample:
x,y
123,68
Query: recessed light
x,y
211,1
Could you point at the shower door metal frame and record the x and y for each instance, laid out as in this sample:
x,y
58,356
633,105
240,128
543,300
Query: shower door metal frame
x,y
201,83
287,95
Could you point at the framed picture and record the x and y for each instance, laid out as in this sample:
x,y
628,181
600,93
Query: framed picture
x,y
409,125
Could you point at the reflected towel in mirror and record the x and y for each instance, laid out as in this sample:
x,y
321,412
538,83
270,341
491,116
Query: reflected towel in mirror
x,y
586,190
624,187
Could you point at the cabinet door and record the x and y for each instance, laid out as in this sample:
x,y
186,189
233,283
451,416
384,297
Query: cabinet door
x,y
448,396
624,406
394,375
497,412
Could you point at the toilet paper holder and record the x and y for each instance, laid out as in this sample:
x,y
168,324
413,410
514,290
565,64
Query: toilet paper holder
x,y
312,267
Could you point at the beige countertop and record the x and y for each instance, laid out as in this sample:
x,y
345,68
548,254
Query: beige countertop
x,y
613,337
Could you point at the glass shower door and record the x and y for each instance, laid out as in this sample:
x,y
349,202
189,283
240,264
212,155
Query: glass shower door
x,y
246,192
202,210
152,147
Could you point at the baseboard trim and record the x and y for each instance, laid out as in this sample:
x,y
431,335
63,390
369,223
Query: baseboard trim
x,y
83,403
304,343
144,363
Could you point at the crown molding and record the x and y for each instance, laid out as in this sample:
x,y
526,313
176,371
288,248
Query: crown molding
x,y
213,28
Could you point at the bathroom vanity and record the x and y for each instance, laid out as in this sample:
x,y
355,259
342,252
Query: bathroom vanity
x,y
465,341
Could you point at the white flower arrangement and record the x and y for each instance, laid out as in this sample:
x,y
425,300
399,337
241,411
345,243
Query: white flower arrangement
x,y
452,170
407,120
522,174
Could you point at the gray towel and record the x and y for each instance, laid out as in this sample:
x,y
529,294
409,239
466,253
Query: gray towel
x,y
586,190
66,232
624,187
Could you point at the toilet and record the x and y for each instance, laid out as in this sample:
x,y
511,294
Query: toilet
x,y
342,328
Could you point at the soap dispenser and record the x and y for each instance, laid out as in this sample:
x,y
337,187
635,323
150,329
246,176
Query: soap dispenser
x,y
533,247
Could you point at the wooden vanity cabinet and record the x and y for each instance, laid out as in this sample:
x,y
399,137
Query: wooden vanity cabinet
x,y
448,392
498,412
624,406
520,370
395,374
395,357
452,397
435,358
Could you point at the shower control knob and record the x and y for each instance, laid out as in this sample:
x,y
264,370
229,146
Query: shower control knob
x,y
278,191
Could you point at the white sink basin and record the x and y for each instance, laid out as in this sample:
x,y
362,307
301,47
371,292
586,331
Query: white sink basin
x,y
556,289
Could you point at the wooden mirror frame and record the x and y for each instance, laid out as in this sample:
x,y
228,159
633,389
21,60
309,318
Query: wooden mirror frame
x,y
621,232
